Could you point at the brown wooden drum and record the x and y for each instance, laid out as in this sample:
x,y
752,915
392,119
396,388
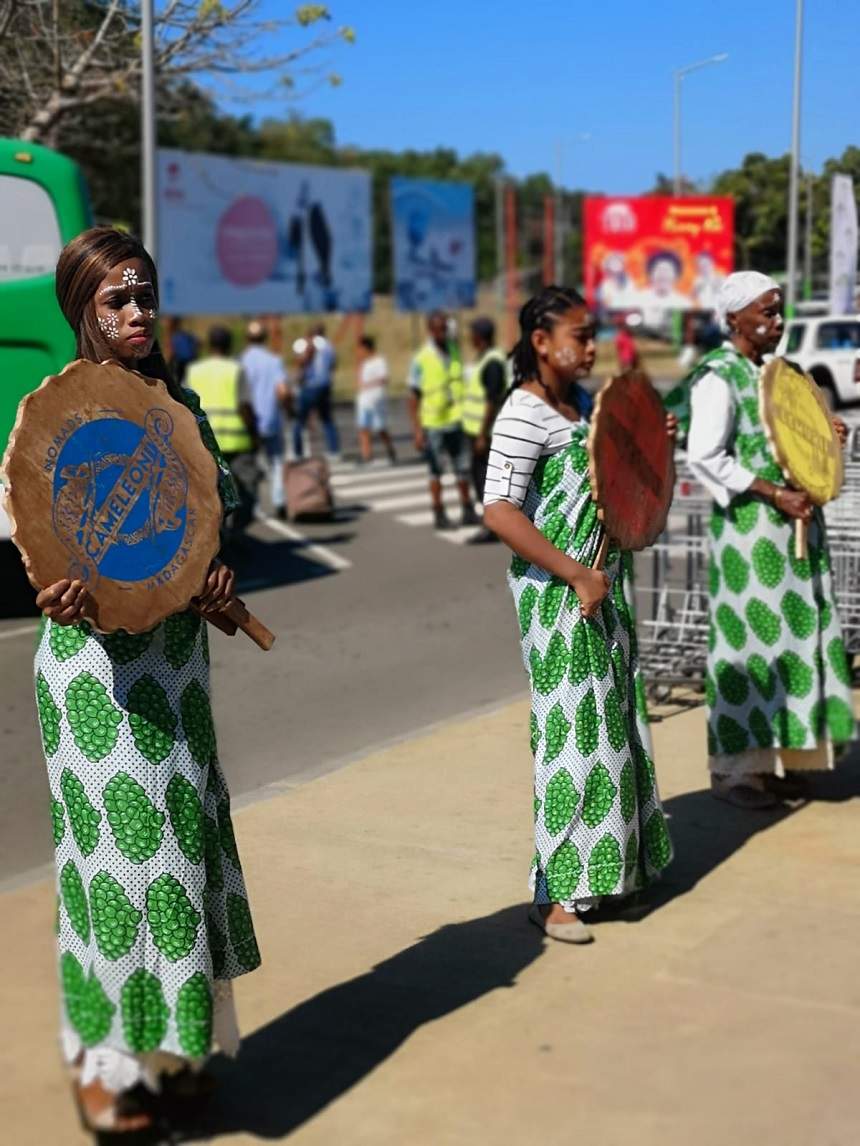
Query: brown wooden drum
x,y
108,481
631,461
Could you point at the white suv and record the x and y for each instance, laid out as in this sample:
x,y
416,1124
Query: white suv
x,y
827,348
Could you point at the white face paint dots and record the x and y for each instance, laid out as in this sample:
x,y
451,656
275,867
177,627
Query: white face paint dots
x,y
109,326
566,356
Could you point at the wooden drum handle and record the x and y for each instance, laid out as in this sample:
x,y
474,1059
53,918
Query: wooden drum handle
x,y
602,549
801,536
236,616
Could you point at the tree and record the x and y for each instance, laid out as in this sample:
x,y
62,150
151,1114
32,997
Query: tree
x,y
58,59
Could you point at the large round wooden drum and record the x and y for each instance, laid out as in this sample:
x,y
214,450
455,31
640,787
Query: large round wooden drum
x,y
108,481
631,460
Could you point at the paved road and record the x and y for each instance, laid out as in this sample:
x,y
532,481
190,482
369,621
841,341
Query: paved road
x,y
415,629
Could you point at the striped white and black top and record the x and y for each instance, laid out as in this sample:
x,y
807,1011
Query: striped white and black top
x,y
526,429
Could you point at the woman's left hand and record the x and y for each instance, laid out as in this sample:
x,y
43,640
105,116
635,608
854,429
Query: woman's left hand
x,y
672,426
841,430
218,592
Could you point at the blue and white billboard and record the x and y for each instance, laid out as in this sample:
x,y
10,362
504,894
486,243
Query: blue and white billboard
x,y
433,244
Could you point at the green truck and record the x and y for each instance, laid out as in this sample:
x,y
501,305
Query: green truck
x,y
43,204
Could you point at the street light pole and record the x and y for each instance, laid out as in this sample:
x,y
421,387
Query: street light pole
x,y
147,128
791,268
679,74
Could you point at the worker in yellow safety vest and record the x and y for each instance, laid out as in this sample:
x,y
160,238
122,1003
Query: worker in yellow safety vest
x,y
486,386
220,384
436,408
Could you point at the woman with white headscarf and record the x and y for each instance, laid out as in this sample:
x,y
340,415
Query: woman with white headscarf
x,y
778,685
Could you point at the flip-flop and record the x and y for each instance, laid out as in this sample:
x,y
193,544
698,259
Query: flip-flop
x,y
573,932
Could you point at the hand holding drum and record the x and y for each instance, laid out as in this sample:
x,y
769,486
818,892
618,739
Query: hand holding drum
x,y
114,505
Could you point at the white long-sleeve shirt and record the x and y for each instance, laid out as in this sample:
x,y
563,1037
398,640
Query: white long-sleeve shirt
x,y
712,422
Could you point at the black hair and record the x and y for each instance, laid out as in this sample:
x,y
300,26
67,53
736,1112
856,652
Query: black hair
x,y
220,339
485,329
367,341
436,314
539,313
664,257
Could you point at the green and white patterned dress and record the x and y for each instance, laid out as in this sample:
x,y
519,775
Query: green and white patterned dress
x,y
599,825
778,683
152,910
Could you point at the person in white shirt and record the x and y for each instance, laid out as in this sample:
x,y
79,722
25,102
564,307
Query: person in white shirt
x,y
371,413
777,685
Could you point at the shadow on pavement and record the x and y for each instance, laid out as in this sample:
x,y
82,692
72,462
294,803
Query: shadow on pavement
x,y
707,832
267,564
293,1068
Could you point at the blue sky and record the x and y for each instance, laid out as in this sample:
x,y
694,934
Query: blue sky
x,y
517,78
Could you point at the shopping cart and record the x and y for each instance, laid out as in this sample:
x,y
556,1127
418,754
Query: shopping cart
x,y
672,583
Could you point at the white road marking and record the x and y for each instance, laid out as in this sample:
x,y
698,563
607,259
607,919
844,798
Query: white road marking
x,y
319,553
425,517
21,631
358,492
377,477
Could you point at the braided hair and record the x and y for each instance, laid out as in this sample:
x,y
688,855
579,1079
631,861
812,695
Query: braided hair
x,y
539,313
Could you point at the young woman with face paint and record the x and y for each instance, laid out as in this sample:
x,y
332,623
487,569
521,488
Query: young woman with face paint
x,y
153,922
778,685
599,826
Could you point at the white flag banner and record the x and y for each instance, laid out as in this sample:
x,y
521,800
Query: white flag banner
x,y
843,245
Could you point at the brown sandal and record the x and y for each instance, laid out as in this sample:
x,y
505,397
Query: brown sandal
x,y
101,1112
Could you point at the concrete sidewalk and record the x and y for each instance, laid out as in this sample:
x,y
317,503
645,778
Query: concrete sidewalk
x,y
405,999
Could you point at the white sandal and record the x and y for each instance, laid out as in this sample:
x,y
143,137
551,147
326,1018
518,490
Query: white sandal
x,y
573,932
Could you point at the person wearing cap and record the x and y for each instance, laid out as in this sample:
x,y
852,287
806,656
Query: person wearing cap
x,y
777,684
486,386
436,410
220,383
268,392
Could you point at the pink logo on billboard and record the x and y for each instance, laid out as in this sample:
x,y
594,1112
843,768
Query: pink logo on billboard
x,y
246,242
618,219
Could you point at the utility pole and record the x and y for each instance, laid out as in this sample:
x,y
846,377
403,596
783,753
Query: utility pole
x,y
148,131
793,187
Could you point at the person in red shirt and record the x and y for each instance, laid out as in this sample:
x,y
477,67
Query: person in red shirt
x,y
625,346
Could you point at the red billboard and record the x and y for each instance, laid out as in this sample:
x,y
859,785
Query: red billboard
x,y
653,254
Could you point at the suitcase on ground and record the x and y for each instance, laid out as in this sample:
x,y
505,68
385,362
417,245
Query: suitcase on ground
x,y
307,490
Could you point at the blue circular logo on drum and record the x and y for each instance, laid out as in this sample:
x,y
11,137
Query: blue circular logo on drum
x,y
120,498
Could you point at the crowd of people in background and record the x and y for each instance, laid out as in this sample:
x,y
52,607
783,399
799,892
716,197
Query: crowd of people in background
x,y
261,408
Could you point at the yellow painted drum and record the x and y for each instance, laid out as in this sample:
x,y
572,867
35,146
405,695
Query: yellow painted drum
x,y
800,431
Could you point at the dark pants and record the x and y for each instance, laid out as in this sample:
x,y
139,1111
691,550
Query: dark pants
x,y
479,469
246,475
315,398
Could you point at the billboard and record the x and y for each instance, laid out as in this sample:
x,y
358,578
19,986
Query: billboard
x,y
656,255
433,244
241,237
